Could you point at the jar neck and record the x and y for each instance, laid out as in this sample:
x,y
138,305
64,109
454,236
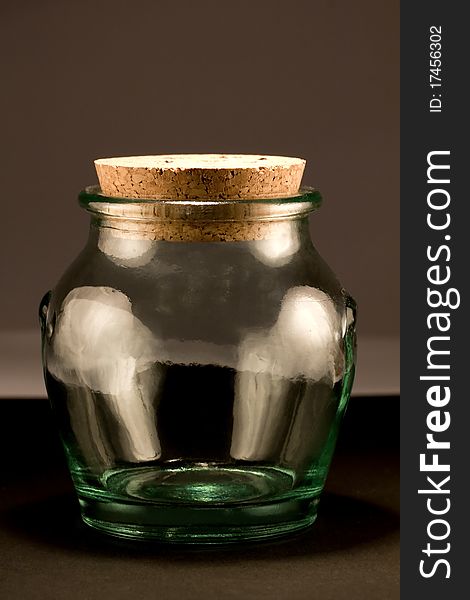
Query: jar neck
x,y
201,230
275,228
207,220
274,243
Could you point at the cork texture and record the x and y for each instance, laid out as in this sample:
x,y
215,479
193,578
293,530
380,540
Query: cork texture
x,y
200,176
177,231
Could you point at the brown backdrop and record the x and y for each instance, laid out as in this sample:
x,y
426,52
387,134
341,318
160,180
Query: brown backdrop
x,y
86,79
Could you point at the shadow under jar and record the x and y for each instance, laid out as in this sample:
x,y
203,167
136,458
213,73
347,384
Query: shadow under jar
x,y
199,356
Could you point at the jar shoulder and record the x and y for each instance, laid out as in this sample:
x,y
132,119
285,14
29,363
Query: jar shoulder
x,y
199,303
169,278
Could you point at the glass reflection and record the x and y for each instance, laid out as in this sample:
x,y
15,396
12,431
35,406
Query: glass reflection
x,y
284,381
277,249
107,357
126,251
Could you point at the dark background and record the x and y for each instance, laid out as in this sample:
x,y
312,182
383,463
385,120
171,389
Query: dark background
x,y
317,79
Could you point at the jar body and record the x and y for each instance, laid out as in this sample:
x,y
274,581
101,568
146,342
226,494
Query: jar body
x,y
198,385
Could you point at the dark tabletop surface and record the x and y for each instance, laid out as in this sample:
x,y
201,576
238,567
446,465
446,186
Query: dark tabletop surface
x,y
351,552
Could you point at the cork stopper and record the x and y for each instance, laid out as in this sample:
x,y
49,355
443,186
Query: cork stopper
x,y
200,176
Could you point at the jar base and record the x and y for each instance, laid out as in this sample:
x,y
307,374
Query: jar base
x,y
199,525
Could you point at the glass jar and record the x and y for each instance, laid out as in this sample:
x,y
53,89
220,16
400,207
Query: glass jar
x,y
199,357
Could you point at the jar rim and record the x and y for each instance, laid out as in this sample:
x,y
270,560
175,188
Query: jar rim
x,y
93,193
306,200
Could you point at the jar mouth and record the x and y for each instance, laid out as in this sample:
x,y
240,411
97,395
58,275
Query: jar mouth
x,y
94,201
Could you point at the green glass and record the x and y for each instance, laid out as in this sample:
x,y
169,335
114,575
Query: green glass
x,y
198,386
